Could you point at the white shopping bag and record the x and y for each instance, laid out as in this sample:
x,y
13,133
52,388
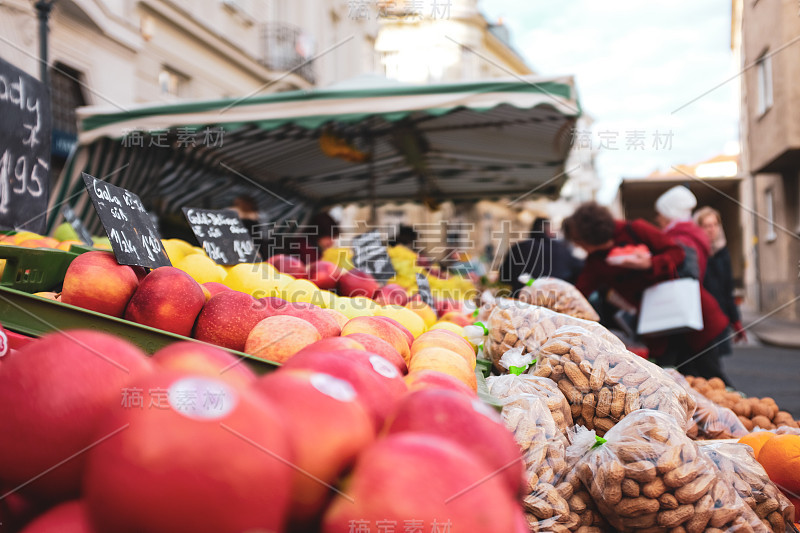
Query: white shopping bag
x,y
671,307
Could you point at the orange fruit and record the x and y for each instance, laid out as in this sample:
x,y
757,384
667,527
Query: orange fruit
x,y
756,440
780,457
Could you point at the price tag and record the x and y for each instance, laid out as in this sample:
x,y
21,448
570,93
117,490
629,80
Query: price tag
x,y
424,287
370,256
222,235
25,129
77,225
133,234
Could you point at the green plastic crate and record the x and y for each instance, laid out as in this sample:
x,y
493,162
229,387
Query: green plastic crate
x,y
34,269
35,316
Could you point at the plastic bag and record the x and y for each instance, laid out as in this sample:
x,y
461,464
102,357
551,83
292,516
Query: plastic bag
x,y
559,296
741,471
711,421
603,383
649,476
514,323
538,415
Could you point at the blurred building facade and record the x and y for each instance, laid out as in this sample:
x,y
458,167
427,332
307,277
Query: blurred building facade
x,y
767,41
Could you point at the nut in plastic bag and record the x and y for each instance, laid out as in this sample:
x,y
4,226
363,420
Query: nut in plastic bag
x,y
538,415
516,324
649,476
711,421
604,383
559,296
741,471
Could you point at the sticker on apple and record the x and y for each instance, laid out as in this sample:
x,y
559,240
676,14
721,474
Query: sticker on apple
x,y
202,398
336,388
3,343
383,367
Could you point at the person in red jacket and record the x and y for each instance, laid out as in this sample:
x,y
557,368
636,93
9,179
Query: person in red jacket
x,y
593,228
674,215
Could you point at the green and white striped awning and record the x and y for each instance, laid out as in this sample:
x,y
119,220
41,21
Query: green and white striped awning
x,y
463,141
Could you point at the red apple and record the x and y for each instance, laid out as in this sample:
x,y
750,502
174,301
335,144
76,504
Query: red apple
x,y
17,509
69,517
340,318
215,287
227,319
95,281
383,329
379,346
378,383
425,478
357,283
457,317
277,338
59,386
328,428
433,379
169,299
333,344
442,307
467,421
401,327
324,322
198,358
289,265
324,274
392,294
201,457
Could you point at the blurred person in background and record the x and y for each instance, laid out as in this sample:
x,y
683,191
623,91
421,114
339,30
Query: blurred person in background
x,y
541,255
696,354
719,274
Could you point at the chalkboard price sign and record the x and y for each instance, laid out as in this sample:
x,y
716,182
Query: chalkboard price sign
x,y
133,235
222,235
424,287
370,256
25,124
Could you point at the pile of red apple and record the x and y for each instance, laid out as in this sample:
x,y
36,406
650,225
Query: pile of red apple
x,y
96,437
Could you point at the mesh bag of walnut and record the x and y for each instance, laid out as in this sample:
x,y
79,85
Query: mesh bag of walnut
x,y
603,383
740,470
538,415
647,475
513,323
710,421
559,296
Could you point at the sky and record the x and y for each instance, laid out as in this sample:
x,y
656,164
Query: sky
x,y
635,65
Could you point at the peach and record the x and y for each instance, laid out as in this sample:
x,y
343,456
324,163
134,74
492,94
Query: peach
x,y
378,383
327,426
424,311
324,274
424,478
398,325
195,460
227,319
374,344
445,339
198,358
60,385
95,281
357,283
287,264
69,517
279,337
168,299
446,361
467,421
382,329
433,379
457,318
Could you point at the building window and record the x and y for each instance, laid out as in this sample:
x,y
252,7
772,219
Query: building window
x,y
769,199
764,74
172,83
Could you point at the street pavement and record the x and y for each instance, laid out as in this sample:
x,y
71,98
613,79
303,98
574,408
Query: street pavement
x,y
763,370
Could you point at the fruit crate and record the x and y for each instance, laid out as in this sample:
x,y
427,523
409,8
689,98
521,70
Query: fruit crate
x,y
34,269
35,316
